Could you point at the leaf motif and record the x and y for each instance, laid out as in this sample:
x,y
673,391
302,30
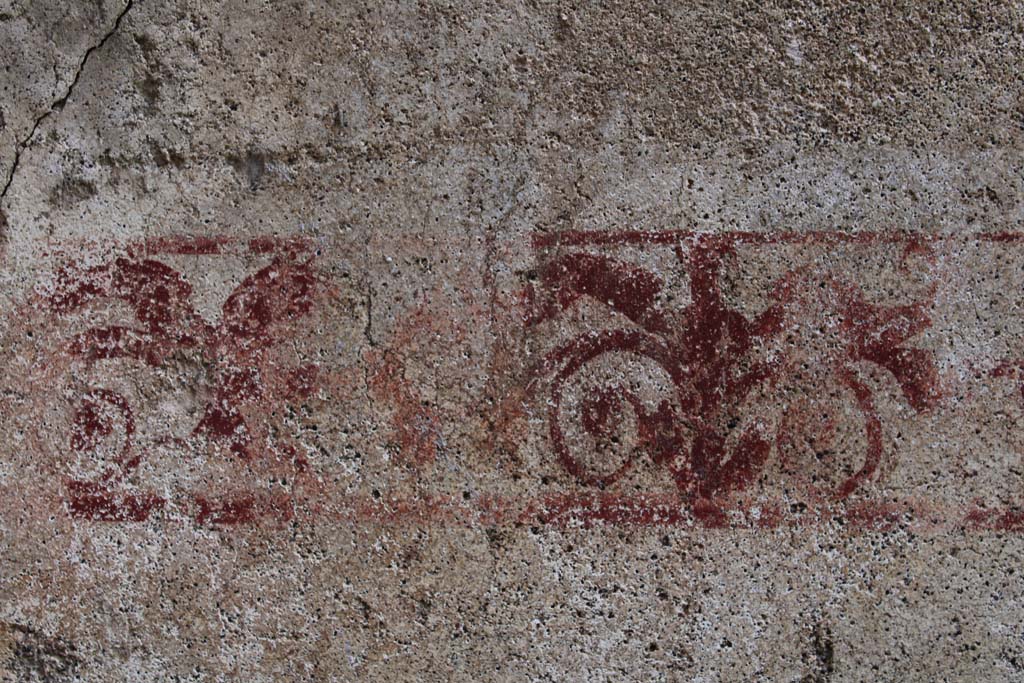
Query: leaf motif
x,y
628,289
277,294
879,336
159,294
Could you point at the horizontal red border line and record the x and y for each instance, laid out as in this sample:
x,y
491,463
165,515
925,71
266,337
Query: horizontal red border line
x,y
572,238
242,509
198,245
645,510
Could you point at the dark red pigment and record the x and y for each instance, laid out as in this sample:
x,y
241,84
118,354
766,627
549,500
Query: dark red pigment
x,y
705,348
243,508
102,500
94,501
702,347
611,238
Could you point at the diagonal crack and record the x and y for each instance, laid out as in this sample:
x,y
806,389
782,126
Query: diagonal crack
x,y
59,103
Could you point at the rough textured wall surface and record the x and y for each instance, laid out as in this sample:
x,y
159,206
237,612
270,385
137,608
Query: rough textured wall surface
x,y
511,341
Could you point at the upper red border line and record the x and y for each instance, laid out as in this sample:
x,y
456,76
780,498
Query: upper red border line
x,y
573,238
199,245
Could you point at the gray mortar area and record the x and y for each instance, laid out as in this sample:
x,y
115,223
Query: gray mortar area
x,y
288,291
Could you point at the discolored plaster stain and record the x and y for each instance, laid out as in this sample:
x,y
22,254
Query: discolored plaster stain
x,y
252,167
823,655
29,656
164,157
149,87
71,191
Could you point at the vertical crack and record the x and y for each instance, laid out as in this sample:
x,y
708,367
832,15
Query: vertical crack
x,y
368,329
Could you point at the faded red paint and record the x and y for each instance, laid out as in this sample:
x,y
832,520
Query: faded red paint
x,y
191,245
104,499
668,511
258,315
1006,519
416,427
1013,369
705,348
